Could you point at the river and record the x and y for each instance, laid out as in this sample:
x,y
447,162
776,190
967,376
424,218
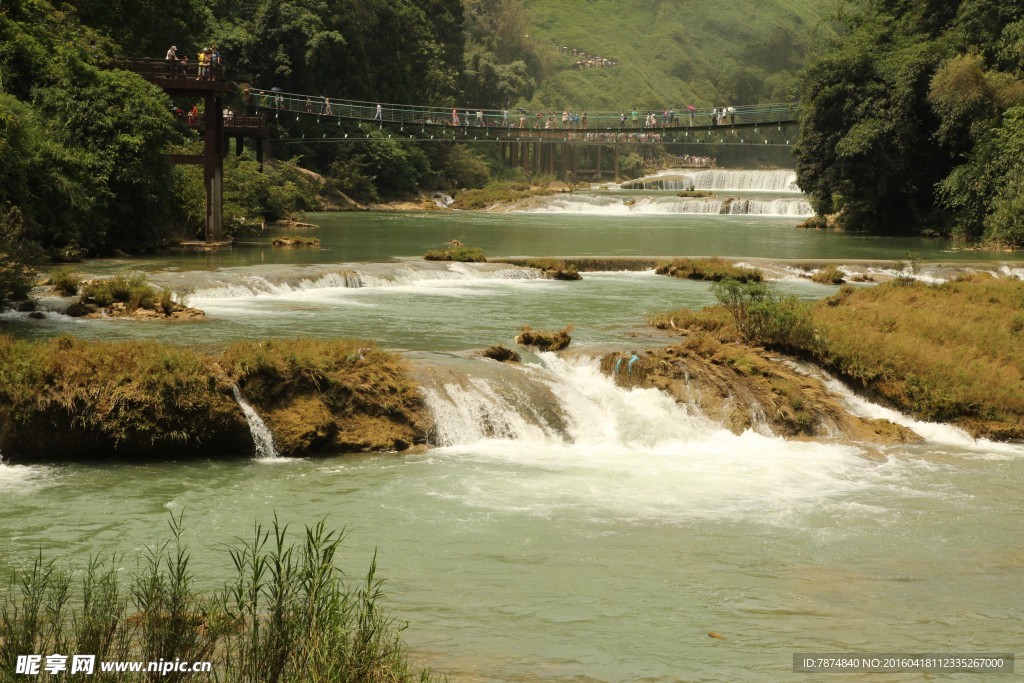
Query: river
x,y
604,547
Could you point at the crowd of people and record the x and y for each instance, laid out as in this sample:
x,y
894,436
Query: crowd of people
x,y
588,61
522,119
208,59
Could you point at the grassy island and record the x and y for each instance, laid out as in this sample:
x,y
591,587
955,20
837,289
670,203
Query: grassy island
x,y
139,399
949,352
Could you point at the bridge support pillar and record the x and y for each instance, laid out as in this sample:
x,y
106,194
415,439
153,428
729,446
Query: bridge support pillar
x,y
615,156
598,166
213,166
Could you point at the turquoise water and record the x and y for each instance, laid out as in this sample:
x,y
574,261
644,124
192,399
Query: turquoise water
x,y
606,552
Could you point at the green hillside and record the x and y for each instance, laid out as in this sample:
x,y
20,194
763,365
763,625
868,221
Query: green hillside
x,y
672,53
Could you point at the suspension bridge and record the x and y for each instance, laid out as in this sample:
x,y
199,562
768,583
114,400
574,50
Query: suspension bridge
x,y
539,142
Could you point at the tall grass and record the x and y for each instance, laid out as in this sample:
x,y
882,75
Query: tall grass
x,y
287,615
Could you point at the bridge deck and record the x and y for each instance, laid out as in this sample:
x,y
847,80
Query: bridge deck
x,y
748,123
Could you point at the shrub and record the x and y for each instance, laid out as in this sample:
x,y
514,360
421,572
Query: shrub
x,y
555,269
130,289
765,317
830,275
64,281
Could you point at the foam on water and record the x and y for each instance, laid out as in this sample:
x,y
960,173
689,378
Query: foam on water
x,y
933,432
22,479
385,276
632,454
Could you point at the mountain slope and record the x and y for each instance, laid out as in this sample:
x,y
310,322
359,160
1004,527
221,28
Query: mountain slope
x,y
672,53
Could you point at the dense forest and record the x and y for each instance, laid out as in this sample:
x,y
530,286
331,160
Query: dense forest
x,y
913,119
912,109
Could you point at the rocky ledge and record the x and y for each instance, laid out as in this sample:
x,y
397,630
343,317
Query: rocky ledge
x,y
747,388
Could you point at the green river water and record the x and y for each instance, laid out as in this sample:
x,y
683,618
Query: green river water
x,y
606,551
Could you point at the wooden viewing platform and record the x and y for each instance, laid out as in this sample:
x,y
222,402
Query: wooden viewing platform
x,y
187,80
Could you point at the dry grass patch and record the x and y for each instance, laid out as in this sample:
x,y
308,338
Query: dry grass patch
x,y
81,399
830,275
545,341
713,269
942,352
328,394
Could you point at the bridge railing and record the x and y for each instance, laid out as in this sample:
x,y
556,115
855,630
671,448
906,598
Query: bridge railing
x,y
274,102
243,122
155,69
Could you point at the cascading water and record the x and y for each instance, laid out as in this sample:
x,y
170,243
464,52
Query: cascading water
x,y
627,452
619,205
782,180
772,183
262,439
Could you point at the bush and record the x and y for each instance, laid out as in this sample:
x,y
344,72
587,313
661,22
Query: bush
x,y
765,317
130,289
64,281
466,167
830,275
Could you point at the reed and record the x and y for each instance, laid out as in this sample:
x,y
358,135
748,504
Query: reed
x,y
287,614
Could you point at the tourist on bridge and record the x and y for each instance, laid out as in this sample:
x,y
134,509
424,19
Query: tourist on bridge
x,y
325,107
692,110
379,115
504,118
214,60
635,116
172,61
622,119
479,118
455,117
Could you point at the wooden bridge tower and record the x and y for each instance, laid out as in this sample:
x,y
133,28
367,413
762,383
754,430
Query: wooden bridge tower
x,y
186,82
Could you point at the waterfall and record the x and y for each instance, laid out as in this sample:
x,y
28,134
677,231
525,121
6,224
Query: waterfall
x,y
783,180
619,205
262,439
589,409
